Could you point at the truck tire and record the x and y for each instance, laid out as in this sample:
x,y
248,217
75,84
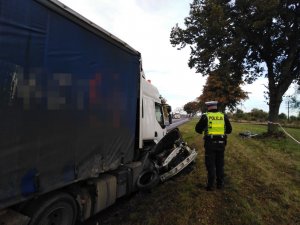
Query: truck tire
x,y
148,179
59,209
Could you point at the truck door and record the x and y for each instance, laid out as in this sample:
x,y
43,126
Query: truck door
x,y
160,125
153,127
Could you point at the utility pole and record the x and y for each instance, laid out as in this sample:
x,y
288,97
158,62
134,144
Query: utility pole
x,y
288,111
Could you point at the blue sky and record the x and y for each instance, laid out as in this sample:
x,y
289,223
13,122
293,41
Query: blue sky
x,y
146,25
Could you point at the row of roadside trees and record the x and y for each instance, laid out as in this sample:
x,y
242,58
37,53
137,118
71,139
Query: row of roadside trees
x,y
194,107
259,115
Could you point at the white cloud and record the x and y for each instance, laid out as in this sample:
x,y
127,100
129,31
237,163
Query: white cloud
x,y
154,6
256,95
146,25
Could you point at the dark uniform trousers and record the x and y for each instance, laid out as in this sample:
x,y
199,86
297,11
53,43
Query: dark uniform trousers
x,y
214,162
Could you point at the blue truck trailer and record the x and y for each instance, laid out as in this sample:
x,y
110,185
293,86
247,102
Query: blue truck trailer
x,y
80,125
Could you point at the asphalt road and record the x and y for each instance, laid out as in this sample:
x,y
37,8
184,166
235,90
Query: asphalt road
x,y
176,123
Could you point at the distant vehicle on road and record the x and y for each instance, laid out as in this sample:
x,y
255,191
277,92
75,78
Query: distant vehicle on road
x,y
176,116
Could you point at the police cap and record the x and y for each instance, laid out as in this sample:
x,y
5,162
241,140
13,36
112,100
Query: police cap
x,y
211,103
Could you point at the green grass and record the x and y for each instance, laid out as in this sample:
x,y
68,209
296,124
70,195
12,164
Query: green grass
x,y
262,186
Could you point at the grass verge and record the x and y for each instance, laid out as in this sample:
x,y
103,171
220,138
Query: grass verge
x,y
262,186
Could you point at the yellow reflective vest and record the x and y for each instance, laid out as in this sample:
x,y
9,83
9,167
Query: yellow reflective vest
x,y
216,123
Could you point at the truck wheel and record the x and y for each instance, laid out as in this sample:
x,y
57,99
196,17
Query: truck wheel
x,y
60,209
148,179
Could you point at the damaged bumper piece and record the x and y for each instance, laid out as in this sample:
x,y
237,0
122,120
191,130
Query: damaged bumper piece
x,y
179,158
171,155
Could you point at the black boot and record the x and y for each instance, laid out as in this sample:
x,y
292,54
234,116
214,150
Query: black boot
x,y
210,185
220,185
209,188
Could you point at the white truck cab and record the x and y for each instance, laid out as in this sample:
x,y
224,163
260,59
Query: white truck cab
x,y
152,126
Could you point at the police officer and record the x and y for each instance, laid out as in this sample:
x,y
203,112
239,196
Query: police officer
x,y
215,126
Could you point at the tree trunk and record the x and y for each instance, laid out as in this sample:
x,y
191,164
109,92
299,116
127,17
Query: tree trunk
x,y
274,105
273,119
276,91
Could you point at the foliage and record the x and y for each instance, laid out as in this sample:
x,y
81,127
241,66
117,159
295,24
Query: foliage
x,y
254,115
224,89
246,39
282,116
294,118
239,114
258,114
191,107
